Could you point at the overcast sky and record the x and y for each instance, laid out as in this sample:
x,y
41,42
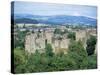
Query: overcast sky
x,y
34,8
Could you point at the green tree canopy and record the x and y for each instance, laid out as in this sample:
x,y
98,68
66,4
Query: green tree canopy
x,y
49,50
91,42
78,54
72,35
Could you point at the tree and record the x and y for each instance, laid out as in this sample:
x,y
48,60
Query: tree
x,y
49,50
71,35
19,39
77,52
92,61
19,60
57,31
91,42
62,63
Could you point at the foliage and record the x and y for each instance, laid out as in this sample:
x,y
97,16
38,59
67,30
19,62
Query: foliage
x,y
57,31
49,50
92,62
62,63
91,42
19,39
72,35
76,58
78,54
19,60
80,26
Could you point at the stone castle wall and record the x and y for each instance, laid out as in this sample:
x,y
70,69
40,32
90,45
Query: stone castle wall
x,y
37,41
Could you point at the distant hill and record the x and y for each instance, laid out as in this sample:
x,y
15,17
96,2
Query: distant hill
x,y
26,20
56,19
72,20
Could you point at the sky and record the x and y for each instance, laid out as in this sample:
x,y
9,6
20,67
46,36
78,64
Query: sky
x,y
48,9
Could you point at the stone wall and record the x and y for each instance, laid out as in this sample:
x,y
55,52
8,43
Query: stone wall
x,y
36,41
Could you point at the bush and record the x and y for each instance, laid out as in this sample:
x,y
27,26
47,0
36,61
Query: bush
x,y
91,42
92,62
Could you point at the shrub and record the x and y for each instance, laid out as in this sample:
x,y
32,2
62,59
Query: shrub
x,y
91,42
92,62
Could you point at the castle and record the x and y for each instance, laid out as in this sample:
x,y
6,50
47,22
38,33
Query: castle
x,y
37,40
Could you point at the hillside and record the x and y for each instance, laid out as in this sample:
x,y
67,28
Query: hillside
x,y
56,19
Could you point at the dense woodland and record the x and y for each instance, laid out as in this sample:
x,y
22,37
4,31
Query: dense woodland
x,y
76,58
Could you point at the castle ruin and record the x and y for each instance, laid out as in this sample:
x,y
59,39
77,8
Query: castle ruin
x,y
37,40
